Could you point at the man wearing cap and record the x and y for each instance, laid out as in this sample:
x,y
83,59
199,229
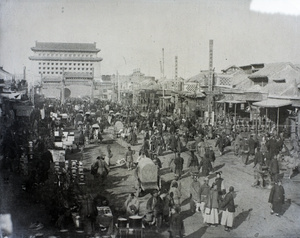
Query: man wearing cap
x,y
274,168
178,161
204,192
129,158
276,198
228,208
155,206
102,169
219,181
195,195
193,164
258,172
206,165
252,146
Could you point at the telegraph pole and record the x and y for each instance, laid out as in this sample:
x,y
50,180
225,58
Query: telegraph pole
x,y
210,83
163,77
63,88
93,85
119,90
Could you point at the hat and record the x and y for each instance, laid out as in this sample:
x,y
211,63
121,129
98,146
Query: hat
x,y
219,173
206,179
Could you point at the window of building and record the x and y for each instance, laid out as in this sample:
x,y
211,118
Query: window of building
x,y
44,67
82,63
39,72
91,64
65,63
56,63
78,68
60,73
39,62
39,67
56,68
56,72
52,63
48,63
60,63
43,72
74,68
82,68
43,63
87,69
70,63
52,68
51,72
74,63
70,68
91,68
48,68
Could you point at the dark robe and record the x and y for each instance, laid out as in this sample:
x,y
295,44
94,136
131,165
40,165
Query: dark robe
x,y
276,198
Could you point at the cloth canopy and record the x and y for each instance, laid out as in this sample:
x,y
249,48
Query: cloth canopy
x,y
230,101
273,103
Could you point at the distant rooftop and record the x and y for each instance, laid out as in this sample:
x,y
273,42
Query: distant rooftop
x,y
66,47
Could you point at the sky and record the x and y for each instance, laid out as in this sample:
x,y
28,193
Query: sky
x,y
132,33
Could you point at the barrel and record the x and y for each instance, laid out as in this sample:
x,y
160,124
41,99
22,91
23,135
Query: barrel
x,y
135,221
122,222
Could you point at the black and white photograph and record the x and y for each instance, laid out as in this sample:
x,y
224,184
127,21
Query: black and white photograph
x,y
149,118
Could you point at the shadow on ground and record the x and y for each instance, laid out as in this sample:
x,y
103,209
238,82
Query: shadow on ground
x,y
241,217
199,233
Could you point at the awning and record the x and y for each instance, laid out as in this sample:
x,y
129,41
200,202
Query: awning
x,y
230,101
193,94
273,103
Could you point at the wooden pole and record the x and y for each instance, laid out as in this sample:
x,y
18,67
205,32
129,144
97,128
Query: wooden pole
x,y
225,114
235,118
266,122
278,121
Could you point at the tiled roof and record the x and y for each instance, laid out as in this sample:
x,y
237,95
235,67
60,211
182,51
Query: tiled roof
x,y
281,89
59,46
283,70
201,78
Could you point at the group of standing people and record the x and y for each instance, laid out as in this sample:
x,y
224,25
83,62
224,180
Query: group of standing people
x,y
212,201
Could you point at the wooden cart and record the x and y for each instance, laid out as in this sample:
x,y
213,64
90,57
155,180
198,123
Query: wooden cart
x,y
147,176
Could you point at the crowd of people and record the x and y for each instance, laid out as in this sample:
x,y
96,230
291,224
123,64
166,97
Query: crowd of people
x,y
175,133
